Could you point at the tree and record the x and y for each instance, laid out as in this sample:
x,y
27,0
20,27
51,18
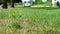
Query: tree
x,y
4,4
12,3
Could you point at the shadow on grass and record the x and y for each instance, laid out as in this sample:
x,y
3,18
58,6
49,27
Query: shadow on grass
x,y
47,8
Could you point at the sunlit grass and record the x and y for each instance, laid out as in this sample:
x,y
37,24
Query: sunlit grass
x,y
32,20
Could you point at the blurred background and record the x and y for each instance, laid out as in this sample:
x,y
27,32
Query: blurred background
x,y
37,2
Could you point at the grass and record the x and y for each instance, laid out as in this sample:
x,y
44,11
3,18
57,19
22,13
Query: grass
x,y
40,20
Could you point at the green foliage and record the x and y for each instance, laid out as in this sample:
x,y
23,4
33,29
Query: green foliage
x,y
16,25
0,0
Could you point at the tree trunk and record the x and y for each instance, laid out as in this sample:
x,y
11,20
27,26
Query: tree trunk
x,y
4,4
12,3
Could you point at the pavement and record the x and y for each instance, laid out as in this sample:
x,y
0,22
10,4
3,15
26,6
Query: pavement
x,y
40,6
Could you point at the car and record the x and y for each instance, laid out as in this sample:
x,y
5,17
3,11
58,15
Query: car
x,y
55,3
44,0
28,3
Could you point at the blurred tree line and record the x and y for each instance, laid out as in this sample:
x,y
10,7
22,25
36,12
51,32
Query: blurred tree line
x,y
17,1
37,1
40,1
5,3
14,1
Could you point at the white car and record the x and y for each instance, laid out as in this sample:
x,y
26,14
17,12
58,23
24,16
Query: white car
x,y
33,0
44,0
27,2
55,2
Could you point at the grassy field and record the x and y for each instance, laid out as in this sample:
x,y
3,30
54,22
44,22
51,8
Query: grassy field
x,y
27,20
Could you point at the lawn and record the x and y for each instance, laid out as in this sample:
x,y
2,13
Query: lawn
x,y
28,20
